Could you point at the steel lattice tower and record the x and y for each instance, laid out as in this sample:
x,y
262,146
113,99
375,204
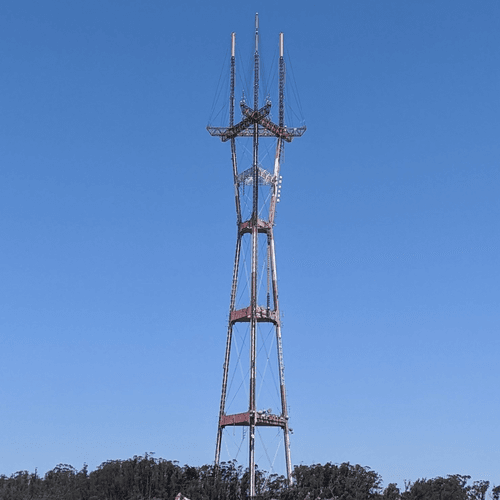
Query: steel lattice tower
x,y
256,124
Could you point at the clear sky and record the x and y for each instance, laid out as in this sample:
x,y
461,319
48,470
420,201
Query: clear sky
x,y
118,229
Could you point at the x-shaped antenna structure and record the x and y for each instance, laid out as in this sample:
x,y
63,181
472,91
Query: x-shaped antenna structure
x,y
267,127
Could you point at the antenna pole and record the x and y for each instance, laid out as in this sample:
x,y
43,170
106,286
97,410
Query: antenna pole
x,y
255,235
279,151
222,408
231,123
282,84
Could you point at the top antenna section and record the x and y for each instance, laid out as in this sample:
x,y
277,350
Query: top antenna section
x,y
256,121
256,32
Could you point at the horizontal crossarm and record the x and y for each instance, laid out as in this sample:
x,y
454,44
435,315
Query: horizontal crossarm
x,y
248,132
266,127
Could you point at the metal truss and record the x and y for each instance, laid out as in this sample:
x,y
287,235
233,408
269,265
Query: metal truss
x,y
255,123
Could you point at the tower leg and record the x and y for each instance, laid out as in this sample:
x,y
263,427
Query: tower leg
x,y
222,408
253,357
255,236
279,346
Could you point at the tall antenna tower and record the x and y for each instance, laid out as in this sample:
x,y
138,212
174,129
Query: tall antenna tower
x,y
258,315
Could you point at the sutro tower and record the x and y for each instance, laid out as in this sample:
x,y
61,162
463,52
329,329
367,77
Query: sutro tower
x,y
254,313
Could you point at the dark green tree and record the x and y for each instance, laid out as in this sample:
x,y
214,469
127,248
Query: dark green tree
x,y
392,492
449,488
345,481
495,493
478,490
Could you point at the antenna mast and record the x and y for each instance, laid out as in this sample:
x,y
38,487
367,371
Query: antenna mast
x,y
259,222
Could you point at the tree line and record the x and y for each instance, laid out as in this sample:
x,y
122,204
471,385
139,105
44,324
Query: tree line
x,y
149,478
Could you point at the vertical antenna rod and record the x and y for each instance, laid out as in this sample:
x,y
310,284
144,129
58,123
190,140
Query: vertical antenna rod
x,y
231,123
282,84
279,147
232,82
255,235
222,408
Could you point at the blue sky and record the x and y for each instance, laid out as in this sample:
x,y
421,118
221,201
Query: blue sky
x,y
118,232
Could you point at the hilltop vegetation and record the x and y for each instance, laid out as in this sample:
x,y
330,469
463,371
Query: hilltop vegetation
x,y
141,478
